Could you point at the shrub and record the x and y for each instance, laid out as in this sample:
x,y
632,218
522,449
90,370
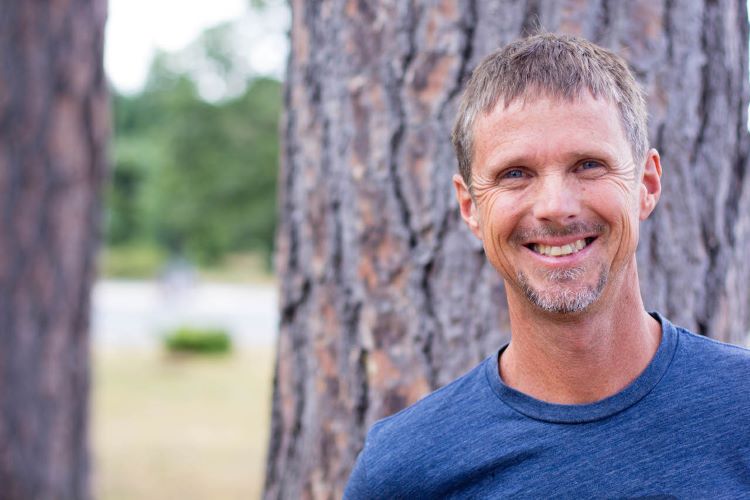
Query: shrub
x,y
198,341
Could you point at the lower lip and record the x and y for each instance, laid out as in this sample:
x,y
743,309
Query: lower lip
x,y
563,260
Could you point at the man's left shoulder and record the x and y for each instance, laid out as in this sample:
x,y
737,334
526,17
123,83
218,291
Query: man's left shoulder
x,y
708,350
707,364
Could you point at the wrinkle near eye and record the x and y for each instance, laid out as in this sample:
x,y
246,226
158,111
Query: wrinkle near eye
x,y
481,188
626,171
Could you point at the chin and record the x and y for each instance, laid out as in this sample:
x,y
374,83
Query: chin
x,y
558,298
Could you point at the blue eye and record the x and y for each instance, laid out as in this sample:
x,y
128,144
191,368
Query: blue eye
x,y
589,164
514,173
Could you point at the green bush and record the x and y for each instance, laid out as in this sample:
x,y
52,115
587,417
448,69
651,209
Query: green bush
x,y
198,341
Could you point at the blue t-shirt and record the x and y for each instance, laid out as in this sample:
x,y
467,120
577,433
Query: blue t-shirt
x,y
680,430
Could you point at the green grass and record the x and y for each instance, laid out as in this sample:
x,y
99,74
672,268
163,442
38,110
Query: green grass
x,y
190,428
147,261
239,268
136,261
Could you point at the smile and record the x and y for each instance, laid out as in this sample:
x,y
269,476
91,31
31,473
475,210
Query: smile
x,y
558,251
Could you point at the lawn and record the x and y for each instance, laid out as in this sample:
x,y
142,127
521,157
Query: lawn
x,y
187,428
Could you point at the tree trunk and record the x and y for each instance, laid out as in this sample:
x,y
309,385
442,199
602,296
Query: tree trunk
x,y
384,294
54,127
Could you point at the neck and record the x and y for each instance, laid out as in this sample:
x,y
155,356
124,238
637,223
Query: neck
x,y
583,357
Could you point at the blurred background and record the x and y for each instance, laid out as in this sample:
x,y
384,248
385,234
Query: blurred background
x,y
184,309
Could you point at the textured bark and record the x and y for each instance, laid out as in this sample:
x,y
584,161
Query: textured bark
x,y
384,294
54,126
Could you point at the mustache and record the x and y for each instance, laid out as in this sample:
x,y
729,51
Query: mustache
x,y
524,235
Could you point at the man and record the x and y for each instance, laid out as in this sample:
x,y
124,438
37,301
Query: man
x,y
593,397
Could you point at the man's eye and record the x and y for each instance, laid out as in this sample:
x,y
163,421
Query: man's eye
x,y
589,164
514,173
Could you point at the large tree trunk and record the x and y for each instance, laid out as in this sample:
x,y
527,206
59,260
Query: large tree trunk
x,y
384,294
54,126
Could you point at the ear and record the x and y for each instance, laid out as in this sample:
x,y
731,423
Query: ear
x,y
650,184
466,204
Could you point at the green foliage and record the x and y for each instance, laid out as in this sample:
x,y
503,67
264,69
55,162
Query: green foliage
x,y
194,178
198,341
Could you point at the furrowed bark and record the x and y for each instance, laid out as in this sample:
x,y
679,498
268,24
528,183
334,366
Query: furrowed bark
x,y
54,127
385,296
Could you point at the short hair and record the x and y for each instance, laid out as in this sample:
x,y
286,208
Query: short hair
x,y
555,66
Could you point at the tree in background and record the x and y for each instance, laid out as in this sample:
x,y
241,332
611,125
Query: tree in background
x,y
195,178
217,190
54,128
384,294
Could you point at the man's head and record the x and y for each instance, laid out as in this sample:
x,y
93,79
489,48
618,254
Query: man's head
x,y
556,174
556,66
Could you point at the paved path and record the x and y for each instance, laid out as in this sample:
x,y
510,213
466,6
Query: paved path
x,y
136,313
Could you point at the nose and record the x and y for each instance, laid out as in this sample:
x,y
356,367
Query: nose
x,y
557,199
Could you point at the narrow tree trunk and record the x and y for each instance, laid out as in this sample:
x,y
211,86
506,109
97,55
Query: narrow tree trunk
x,y
384,294
54,126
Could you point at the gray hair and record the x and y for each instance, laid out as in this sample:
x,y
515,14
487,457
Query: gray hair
x,y
555,66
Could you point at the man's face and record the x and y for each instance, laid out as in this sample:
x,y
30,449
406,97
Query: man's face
x,y
557,199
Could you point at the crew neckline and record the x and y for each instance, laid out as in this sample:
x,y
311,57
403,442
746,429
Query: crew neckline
x,y
577,414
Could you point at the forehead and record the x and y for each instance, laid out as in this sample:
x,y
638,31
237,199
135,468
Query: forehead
x,y
549,129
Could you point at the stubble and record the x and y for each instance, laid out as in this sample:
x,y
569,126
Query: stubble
x,y
562,295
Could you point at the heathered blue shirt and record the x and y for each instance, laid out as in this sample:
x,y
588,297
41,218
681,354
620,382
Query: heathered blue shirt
x,y
680,430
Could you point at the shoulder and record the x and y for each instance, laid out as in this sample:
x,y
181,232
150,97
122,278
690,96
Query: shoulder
x,y
439,411
707,350
706,391
402,451
712,367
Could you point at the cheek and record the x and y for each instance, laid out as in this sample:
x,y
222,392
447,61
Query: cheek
x,y
497,230
492,222
628,222
629,234
619,205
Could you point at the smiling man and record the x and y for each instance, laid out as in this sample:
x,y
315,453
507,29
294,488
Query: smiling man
x,y
593,397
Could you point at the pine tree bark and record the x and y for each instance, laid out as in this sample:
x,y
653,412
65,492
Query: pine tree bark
x,y
54,127
384,294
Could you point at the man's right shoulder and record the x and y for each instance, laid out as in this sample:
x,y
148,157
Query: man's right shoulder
x,y
419,440
437,409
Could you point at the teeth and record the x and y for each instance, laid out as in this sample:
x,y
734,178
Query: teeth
x,y
558,251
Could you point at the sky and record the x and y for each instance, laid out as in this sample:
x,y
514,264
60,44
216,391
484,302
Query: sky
x,y
137,28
